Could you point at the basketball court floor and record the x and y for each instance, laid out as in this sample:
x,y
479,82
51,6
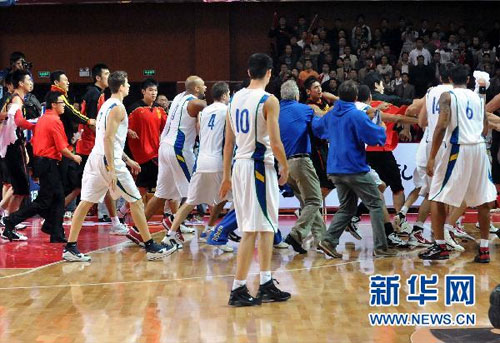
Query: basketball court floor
x,y
120,297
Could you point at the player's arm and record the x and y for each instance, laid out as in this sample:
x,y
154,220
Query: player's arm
x,y
494,104
115,117
16,110
76,115
413,110
330,97
317,110
482,95
195,106
272,112
228,158
422,115
439,131
134,166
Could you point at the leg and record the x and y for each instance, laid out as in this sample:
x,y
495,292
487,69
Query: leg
x,y
215,212
455,213
71,196
137,212
398,199
110,205
424,210
154,205
484,220
438,218
412,197
174,206
78,217
265,250
6,196
180,216
245,253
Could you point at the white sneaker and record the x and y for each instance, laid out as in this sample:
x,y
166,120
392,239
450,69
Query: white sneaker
x,y
175,239
399,218
450,241
68,215
493,228
187,229
225,248
417,239
394,240
119,230
405,228
461,233
281,245
21,226
16,236
75,256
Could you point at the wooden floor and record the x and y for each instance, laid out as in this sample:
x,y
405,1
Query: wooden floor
x,y
120,297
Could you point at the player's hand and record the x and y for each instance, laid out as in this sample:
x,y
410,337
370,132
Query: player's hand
x,y
77,159
91,122
383,106
135,168
430,167
405,136
132,134
225,187
283,175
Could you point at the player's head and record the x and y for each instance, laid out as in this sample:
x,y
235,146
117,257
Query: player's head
x,y
100,74
364,94
149,90
220,92
8,83
459,75
118,83
444,72
348,91
196,86
313,88
59,79
54,101
21,80
260,66
290,91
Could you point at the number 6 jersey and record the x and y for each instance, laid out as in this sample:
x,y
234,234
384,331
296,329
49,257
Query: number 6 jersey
x,y
466,121
250,126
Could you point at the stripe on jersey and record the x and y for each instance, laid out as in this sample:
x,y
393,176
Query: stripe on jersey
x,y
106,116
181,137
182,162
455,133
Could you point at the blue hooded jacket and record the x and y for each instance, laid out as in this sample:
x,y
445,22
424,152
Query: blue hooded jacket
x,y
348,130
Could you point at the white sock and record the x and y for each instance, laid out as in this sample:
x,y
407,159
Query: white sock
x,y
115,221
484,243
448,227
419,224
123,209
440,241
265,277
404,210
5,213
238,284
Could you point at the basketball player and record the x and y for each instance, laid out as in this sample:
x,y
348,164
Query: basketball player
x,y
106,169
463,169
253,126
207,177
176,155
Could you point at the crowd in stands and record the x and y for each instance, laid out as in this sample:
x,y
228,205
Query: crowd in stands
x,y
405,55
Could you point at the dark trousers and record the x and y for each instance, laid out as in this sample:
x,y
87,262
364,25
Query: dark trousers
x,y
49,203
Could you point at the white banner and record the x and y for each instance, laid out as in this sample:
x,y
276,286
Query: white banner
x,y
404,153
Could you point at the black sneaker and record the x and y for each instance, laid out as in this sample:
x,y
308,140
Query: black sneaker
x,y
234,237
352,228
329,249
241,297
268,292
295,245
105,219
8,231
435,252
483,256
155,251
72,254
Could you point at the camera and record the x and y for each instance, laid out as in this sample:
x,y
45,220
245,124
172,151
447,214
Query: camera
x,y
27,65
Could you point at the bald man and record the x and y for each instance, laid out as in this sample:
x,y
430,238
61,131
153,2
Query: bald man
x,y
176,156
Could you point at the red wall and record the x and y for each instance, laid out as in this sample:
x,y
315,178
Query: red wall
x,y
212,40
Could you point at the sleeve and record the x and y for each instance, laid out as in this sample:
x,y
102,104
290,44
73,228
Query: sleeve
x,y
368,132
59,136
75,115
19,118
319,126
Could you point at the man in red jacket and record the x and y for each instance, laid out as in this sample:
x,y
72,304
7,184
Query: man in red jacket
x,y
49,145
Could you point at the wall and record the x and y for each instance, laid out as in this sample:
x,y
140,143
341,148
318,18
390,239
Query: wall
x,y
212,40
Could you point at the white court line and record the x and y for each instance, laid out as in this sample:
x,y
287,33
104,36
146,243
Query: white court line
x,y
168,280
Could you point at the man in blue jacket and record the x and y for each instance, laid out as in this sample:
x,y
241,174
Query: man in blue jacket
x,y
348,130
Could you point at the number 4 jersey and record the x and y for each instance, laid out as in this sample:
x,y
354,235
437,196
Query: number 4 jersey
x,y
212,126
246,110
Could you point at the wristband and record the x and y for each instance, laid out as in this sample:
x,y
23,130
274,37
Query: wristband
x,y
482,90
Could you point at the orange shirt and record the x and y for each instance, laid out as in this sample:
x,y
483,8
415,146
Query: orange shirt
x,y
49,138
304,74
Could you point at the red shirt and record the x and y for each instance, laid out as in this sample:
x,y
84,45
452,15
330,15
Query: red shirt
x,y
49,138
392,140
148,123
91,104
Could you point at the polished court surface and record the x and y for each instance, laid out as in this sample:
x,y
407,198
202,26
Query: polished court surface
x,y
120,297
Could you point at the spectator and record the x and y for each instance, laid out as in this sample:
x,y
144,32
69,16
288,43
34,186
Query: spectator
x,y
325,73
163,102
299,66
387,51
282,33
452,42
288,57
397,80
421,76
357,38
363,53
369,67
405,90
428,44
304,40
333,34
339,50
301,25
388,88
316,46
340,69
384,68
347,56
307,72
435,40
419,51
331,86
307,55
366,31
404,63
408,37
353,75
424,28
379,51
296,49
435,65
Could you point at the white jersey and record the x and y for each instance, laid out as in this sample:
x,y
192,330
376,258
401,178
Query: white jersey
x,y
212,125
467,115
432,107
361,106
100,129
180,129
249,125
